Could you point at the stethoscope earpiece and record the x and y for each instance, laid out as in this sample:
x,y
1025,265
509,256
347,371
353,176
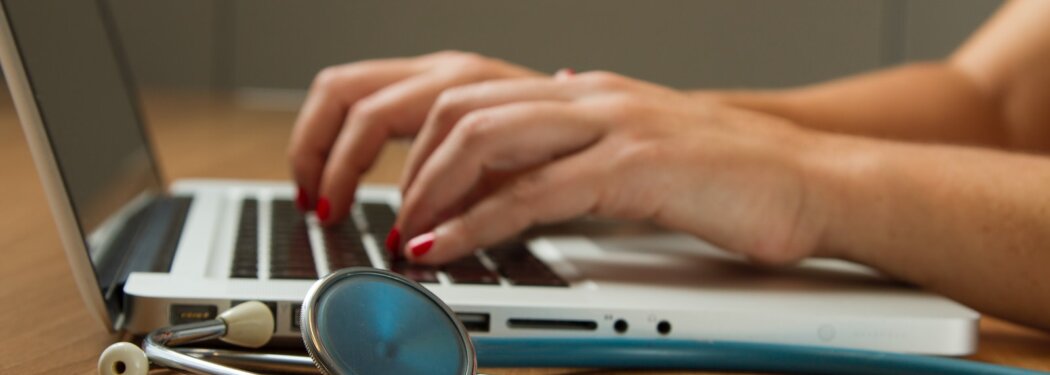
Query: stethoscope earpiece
x,y
123,358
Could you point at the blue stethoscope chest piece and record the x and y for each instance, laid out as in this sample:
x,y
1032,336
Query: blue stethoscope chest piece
x,y
366,321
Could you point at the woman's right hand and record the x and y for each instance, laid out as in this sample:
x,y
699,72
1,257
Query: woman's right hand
x,y
353,109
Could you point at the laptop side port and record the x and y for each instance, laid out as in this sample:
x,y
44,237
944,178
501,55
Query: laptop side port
x,y
474,322
553,324
187,313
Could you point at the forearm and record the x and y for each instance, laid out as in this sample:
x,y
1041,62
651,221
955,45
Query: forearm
x,y
922,102
971,224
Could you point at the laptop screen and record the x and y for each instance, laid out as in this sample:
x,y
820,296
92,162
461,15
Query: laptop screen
x,y
84,101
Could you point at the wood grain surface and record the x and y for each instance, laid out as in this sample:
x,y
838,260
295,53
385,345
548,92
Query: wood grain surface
x,y
45,327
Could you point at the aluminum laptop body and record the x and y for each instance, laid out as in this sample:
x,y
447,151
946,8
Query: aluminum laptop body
x,y
146,255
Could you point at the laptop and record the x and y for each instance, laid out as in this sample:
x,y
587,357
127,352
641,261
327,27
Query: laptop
x,y
146,254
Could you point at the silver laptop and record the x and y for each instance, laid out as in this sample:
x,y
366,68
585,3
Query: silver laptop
x,y
146,255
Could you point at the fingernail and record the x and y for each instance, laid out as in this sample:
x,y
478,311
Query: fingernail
x,y
564,73
393,241
323,209
420,245
301,201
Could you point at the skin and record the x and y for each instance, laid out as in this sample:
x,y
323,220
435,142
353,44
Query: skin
x,y
932,173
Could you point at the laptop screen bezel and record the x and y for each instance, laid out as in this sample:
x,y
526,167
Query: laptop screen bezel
x,y
73,236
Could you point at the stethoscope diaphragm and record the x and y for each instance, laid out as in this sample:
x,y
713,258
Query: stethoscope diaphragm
x,y
370,321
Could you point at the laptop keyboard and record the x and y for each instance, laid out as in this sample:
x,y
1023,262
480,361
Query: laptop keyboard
x,y
292,257
246,249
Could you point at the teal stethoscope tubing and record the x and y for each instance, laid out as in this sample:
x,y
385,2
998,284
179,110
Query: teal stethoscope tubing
x,y
717,356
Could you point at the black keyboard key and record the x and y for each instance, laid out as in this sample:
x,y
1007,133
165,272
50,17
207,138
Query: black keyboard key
x,y
246,249
295,273
470,270
343,246
419,273
516,263
379,218
472,277
291,256
244,272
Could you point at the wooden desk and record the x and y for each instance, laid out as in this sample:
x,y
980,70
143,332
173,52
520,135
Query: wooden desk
x,y
44,326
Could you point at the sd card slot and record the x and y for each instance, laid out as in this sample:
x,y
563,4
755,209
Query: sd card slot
x,y
553,324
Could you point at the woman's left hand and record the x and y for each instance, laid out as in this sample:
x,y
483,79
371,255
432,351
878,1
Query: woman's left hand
x,y
605,145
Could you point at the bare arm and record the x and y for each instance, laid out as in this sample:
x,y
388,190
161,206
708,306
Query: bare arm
x,y
972,224
993,91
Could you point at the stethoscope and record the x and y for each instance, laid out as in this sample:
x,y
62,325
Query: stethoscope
x,y
367,321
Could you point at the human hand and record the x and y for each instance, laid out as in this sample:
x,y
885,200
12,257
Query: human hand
x,y
601,144
353,109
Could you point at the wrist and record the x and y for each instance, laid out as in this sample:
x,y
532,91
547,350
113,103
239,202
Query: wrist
x,y
838,173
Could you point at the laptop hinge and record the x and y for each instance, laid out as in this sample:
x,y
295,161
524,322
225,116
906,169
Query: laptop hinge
x,y
148,241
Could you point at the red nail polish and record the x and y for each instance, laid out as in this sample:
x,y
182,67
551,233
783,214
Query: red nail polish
x,y
323,209
393,241
563,74
301,201
420,245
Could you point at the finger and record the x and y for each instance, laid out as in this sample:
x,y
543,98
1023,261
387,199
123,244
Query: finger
x,y
398,109
453,104
506,138
333,92
565,189
457,102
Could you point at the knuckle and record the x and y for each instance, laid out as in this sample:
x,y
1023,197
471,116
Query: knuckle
x,y
466,225
472,129
622,109
468,64
638,154
447,54
370,112
327,80
292,153
470,229
467,58
526,188
604,80
302,161
447,107
522,196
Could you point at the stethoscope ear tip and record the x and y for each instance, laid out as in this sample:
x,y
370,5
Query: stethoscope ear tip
x,y
123,358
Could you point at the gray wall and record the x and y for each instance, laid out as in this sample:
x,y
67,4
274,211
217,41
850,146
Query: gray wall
x,y
684,43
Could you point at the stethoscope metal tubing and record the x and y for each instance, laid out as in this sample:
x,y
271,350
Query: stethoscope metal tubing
x,y
253,361
156,347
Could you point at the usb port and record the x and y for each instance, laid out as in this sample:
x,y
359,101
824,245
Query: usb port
x,y
474,322
297,316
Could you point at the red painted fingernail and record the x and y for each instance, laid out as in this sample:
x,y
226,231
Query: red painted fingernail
x,y
301,201
420,245
564,73
323,209
393,241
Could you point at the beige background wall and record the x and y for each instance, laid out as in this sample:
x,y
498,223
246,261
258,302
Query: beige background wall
x,y
684,43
